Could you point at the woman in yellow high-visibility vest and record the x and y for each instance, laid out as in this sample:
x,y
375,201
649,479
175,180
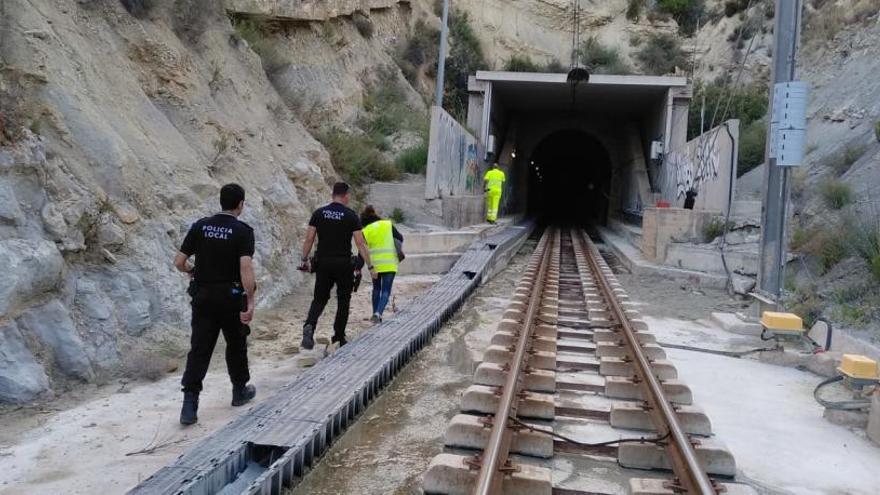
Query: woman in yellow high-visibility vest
x,y
381,235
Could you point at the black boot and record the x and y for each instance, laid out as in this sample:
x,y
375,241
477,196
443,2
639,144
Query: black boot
x,y
190,409
242,394
340,339
308,342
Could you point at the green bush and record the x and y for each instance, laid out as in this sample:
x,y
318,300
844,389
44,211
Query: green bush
x,y
398,216
521,63
836,194
752,144
602,59
258,38
465,58
863,237
555,67
842,161
356,157
725,101
833,251
877,131
661,54
686,13
807,305
634,9
733,7
415,159
715,228
388,111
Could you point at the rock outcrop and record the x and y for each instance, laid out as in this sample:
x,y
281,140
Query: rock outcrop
x,y
135,123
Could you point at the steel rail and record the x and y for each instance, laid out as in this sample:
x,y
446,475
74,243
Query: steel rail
x,y
495,455
691,476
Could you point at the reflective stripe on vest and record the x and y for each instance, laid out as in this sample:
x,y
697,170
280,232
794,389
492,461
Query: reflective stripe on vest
x,y
494,179
380,240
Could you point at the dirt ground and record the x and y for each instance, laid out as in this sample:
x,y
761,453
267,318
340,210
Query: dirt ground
x,y
108,438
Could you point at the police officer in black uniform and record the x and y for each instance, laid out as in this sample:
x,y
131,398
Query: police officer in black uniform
x,y
334,225
222,291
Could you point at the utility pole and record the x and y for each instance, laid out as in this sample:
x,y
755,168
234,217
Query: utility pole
x,y
441,63
786,33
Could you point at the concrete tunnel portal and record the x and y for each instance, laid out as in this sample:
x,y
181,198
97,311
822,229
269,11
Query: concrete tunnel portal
x,y
574,154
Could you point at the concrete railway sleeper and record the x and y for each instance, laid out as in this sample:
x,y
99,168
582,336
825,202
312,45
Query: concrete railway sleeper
x,y
572,370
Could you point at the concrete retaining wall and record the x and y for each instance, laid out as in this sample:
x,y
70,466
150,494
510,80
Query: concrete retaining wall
x,y
660,226
454,168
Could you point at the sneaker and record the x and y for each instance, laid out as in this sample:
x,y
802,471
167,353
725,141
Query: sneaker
x,y
308,341
190,409
376,319
243,394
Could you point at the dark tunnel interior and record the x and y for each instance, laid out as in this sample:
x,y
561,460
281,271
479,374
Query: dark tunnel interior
x,y
569,180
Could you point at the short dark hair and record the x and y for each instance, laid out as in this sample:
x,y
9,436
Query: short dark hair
x,y
340,189
231,195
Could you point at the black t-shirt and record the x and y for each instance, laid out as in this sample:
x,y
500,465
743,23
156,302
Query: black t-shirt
x,y
335,224
218,243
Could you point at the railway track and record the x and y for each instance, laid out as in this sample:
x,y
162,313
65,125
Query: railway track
x,y
571,377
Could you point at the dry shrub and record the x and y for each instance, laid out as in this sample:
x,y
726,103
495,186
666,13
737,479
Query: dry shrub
x,y
146,364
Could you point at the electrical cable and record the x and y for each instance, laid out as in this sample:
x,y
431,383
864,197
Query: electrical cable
x,y
656,440
845,405
733,354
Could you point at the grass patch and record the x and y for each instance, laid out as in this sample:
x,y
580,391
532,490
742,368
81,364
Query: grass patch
x,y
521,63
602,59
660,54
752,144
877,131
863,237
398,216
356,157
419,52
259,39
826,246
634,9
415,159
842,161
364,25
806,304
715,227
465,58
686,13
836,194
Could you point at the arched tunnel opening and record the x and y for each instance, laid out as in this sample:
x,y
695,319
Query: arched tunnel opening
x,y
569,180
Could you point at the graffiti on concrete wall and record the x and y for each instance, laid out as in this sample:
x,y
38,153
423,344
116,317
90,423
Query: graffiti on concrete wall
x,y
693,168
703,164
453,166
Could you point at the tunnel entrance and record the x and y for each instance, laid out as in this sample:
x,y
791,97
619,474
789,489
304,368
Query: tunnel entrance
x,y
569,180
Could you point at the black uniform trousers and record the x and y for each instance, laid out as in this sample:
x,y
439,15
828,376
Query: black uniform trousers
x,y
330,272
209,318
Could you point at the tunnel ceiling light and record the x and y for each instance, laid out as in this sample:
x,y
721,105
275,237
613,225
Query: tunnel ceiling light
x,y
513,154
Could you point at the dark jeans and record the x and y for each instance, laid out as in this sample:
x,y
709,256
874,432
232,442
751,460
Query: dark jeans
x,y
207,322
382,292
330,272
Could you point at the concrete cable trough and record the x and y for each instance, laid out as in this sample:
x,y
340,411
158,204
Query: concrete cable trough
x,y
274,444
572,352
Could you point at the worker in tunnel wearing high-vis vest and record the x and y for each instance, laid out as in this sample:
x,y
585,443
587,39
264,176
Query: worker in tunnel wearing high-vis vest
x,y
493,183
381,236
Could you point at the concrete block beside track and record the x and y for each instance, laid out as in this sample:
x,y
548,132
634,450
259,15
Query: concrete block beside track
x,y
494,375
472,432
450,474
713,456
619,387
482,399
502,355
632,416
613,349
611,366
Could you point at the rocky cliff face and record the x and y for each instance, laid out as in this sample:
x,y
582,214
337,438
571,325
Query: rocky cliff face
x,y
134,126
